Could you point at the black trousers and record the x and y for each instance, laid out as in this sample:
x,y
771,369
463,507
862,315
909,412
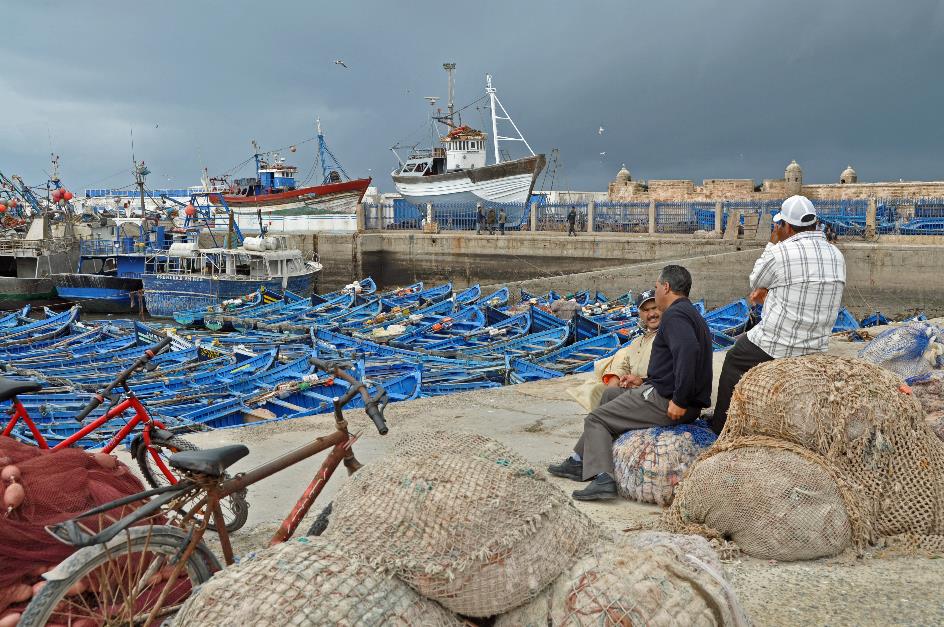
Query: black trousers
x,y
740,358
570,229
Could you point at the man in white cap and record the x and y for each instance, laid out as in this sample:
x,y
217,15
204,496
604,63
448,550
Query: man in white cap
x,y
799,279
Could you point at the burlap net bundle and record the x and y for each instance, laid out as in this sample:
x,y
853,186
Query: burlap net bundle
x,y
649,463
481,532
864,438
308,581
652,578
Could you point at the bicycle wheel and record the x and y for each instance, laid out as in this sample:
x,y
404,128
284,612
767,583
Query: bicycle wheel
x,y
119,583
235,507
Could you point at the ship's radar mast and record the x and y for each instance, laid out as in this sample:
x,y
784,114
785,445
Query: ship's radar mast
x,y
450,67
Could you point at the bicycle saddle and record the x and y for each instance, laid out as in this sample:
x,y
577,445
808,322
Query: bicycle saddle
x,y
13,387
212,462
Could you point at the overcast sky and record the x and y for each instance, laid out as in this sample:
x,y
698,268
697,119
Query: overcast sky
x,y
683,88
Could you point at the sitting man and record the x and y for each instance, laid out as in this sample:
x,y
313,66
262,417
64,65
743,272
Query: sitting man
x,y
799,279
628,366
677,389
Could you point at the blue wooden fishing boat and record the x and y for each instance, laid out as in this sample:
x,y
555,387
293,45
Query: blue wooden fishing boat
x,y
524,371
729,319
542,320
429,296
196,316
465,321
468,295
495,300
579,357
544,301
584,328
510,328
845,321
531,345
876,319
52,326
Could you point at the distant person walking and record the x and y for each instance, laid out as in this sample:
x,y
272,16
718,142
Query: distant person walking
x,y
490,220
799,279
479,218
502,218
572,221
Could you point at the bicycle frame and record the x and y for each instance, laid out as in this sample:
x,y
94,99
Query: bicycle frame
x,y
141,415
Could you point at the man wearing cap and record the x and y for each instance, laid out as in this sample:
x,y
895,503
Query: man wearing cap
x,y
677,388
799,279
627,367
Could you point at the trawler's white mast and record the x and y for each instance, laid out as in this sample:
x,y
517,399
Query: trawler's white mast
x,y
496,105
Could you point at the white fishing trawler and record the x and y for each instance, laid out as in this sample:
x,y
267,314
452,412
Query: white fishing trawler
x,y
458,171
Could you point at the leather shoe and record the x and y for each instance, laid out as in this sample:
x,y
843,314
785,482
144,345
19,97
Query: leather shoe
x,y
602,488
568,469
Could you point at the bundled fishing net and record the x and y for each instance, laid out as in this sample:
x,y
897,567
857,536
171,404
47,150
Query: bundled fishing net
x,y
775,502
308,581
52,486
929,390
468,443
481,532
649,463
870,433
659,582
910,351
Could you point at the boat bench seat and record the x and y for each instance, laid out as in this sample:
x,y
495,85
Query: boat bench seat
x,y
14,387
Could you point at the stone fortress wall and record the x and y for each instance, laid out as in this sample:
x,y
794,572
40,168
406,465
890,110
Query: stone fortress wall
x,y
624,189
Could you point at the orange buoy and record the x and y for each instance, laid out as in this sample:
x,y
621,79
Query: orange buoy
x,y
190,211
67,195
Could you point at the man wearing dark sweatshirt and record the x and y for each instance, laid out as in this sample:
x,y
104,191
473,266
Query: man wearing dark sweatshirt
x,y
677,389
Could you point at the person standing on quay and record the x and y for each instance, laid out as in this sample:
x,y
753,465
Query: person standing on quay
x,y
502,218
479,218
490,220
571,221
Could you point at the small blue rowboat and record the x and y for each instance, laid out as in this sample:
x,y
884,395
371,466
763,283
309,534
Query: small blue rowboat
x,y
845,321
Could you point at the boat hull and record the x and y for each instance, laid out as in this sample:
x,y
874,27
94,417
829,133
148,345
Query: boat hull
x,y
166,293
97,293
509,182
15,291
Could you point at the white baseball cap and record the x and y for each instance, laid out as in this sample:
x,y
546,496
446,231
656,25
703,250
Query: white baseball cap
x,y
797,210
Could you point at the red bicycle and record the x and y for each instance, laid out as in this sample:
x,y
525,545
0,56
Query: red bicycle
x,y
150,448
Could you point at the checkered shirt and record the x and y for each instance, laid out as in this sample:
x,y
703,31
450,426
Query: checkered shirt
x,y
805,276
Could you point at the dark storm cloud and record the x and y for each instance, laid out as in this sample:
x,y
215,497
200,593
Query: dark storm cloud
x,y
685,89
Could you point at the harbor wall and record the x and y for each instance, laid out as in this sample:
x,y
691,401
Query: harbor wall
x,y
894,274
894,278
402,257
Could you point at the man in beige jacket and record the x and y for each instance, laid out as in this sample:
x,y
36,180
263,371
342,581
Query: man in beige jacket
x,y
628,366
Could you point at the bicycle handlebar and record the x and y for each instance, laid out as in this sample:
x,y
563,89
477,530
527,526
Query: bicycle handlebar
x,y
374,407
141,361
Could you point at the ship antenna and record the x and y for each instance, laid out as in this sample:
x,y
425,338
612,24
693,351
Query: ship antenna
x,y
450,68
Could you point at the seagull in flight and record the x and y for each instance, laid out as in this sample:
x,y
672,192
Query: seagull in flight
x,y
341,63
600,131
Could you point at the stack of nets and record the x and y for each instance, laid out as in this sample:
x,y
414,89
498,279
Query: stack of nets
x,y
929,390
651,578
308,581
805,438
909,351
462,520
649,463
58,485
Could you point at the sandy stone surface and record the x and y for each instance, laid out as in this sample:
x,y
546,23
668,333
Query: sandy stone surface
x,y
541,421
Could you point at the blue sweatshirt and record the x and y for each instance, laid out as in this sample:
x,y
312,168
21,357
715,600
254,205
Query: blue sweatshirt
x,y
680,365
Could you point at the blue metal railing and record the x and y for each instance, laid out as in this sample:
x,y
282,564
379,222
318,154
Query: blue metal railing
x,y
553,217
621,217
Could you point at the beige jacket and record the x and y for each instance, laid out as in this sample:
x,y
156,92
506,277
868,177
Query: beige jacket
x,y
632,359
